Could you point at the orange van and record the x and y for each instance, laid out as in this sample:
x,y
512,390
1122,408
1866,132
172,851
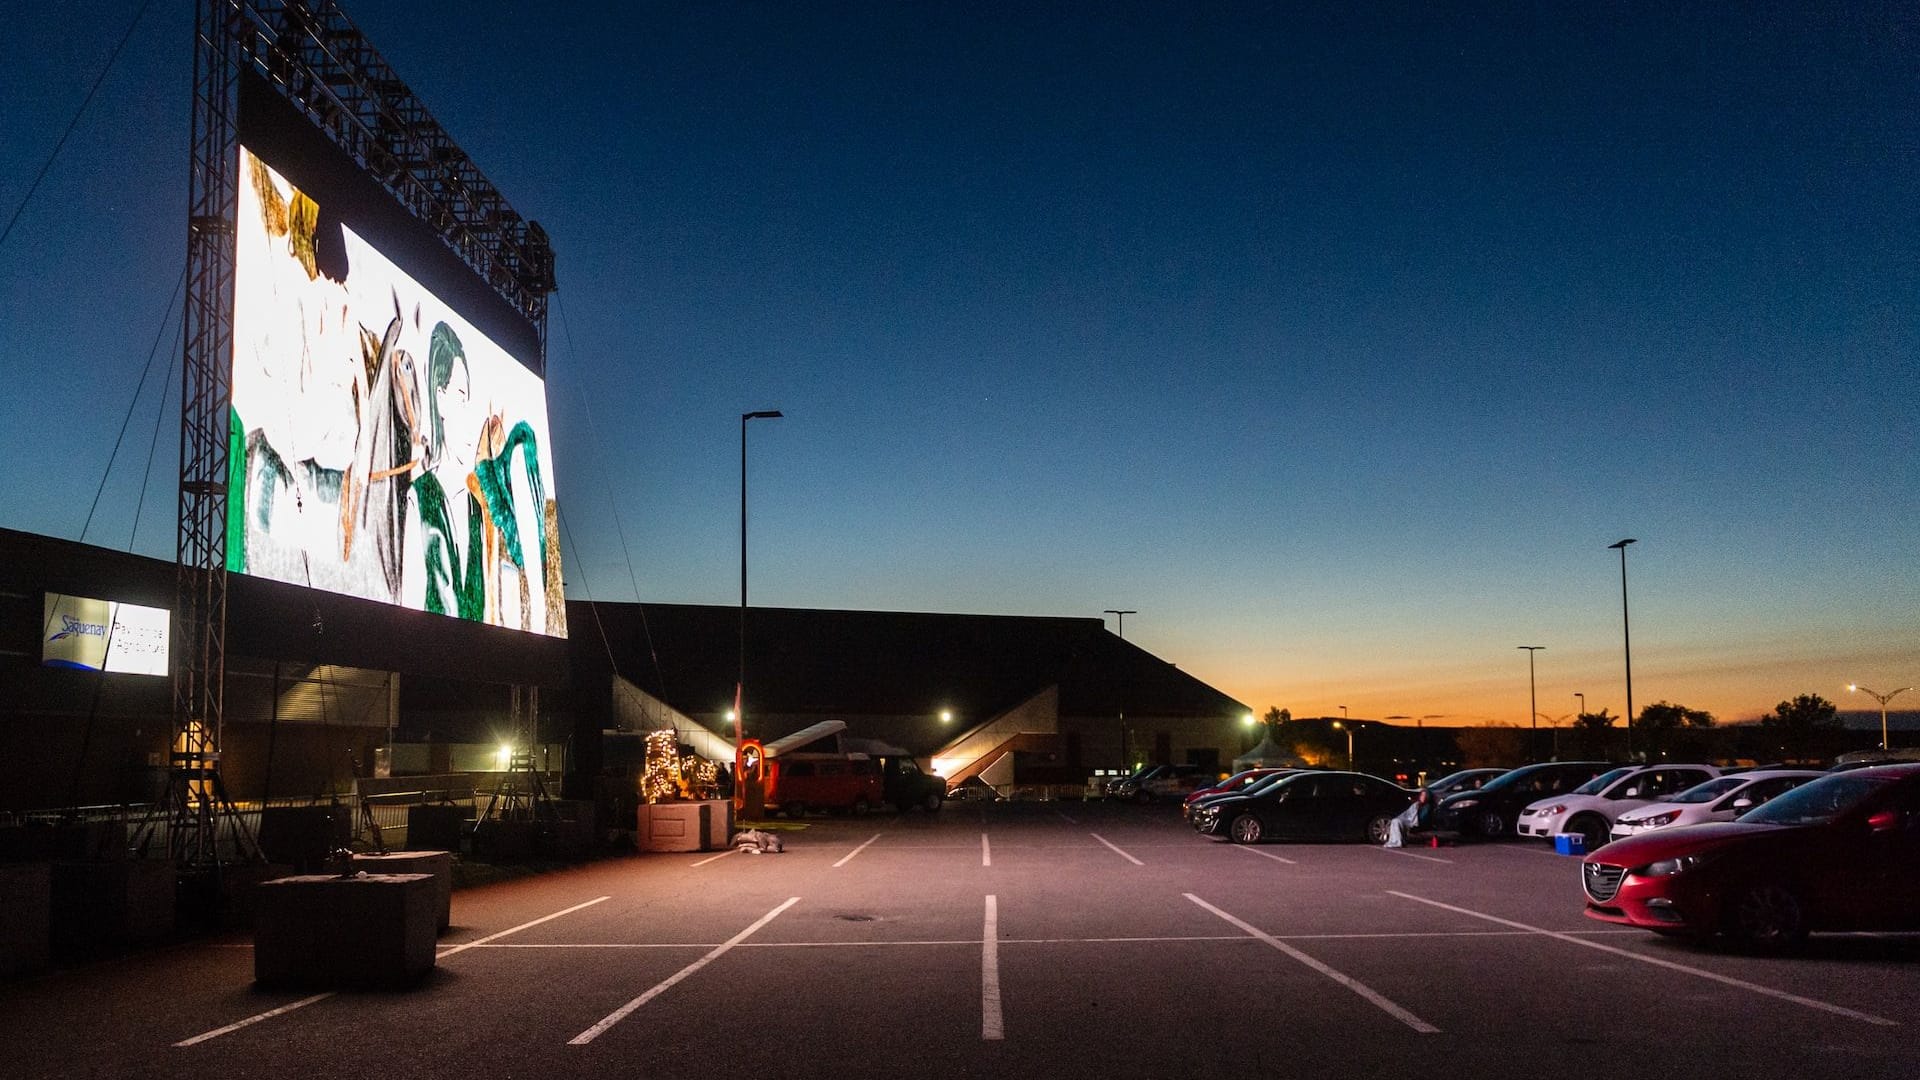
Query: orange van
x,y
838,783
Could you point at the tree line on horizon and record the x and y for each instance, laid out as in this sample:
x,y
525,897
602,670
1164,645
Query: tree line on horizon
x,y
1803,728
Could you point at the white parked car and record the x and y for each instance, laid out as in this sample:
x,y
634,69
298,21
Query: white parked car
x,y
1590,810
1722,798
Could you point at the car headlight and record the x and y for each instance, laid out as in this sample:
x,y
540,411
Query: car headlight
x,y
1670,867
1667,818
1551,811
1464,804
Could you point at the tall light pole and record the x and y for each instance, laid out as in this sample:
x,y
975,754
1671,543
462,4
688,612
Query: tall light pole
x,y
1626,633
740,688
1342,725
1122,614
1533,695
1882,699
1583,702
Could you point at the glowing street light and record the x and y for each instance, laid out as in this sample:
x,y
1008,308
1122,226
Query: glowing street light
x,y
1882,699
1626,633
1342,725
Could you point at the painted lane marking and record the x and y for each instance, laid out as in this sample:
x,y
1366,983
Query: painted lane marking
x,y
849,856
1413,855
1371,995
256,1018
304,1002
626,1010
1263,854
1116,850
711,858
1714,976
1067,819
992,1025
1384,935
986,852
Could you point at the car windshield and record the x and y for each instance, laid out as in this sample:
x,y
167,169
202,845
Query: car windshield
x,y
1448,783
1263,783
1599,783
1710,790
1816,803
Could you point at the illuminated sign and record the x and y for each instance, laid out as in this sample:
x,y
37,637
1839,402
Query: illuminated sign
x,y
100,635
382,447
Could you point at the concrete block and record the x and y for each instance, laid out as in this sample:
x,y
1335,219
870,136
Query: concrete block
x,y
705,825
26,934
436,864
324,931
436,826
107,905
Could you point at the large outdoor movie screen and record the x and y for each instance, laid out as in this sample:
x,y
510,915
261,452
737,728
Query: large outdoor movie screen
x,y
382,447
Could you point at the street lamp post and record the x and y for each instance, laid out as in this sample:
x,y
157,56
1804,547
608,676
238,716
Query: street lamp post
x,y
1882,699
1626,633
1583,702
1121,615
740,688
1342,725
1533,696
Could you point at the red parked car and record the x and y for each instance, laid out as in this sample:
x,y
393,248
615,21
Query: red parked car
x,y
1838,853
1237,782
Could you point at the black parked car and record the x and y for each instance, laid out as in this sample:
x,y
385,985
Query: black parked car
x,y
1255,788
1307,806
1490,810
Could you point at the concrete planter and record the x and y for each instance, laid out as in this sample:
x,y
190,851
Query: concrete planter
x,y
331,932
706,825
435,864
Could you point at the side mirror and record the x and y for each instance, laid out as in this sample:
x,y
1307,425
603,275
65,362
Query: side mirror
x,y
1743,804
1631,793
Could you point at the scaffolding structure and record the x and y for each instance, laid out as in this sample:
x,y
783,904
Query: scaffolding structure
x,y
319,61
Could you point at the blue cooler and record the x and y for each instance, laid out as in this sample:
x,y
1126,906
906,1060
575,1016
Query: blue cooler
x,y
1566,844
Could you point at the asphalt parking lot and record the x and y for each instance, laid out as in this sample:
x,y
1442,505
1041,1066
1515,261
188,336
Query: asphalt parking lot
x,y
1012,940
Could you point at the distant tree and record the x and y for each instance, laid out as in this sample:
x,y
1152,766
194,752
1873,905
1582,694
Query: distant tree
x,y
1310,741
1661,723
1592,733
1802,727
1495,744
1275,718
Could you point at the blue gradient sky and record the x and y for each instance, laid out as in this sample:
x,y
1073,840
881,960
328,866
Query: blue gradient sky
x,y
1340,346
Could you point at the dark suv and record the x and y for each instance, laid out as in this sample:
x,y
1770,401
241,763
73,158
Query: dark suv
x,y
1490,810
907,787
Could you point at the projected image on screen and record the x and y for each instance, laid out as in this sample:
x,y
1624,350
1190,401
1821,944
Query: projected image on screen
x,y
381,446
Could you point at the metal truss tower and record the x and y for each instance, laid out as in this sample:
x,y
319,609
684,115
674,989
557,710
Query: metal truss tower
x,y
320,62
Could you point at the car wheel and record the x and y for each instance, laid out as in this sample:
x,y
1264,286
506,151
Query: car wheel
x,y
932,802
1379,827
1767,916
860,808
1592,828
1245,829
1492,825
796,811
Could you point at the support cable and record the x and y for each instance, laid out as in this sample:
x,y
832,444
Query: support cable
x,y
71,124
626,551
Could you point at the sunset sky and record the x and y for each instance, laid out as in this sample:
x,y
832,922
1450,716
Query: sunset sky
x,y
1338,345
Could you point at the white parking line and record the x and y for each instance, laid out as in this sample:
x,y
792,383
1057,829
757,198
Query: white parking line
x,y
626,1010
1067,819
855,851
1725,980
1116,850
304,1002
711,858
1413,855
1263,854
1350,983
254,1019
986,852
992,1025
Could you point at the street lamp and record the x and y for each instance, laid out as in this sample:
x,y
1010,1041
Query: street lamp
x,y
1533,695
740,688
1626,632
1341,725
1343,712
1583,702
1882,699
1122,616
